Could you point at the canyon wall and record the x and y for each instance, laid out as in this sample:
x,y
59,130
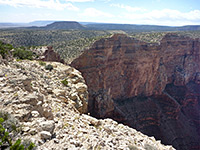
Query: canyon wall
x,y
154,88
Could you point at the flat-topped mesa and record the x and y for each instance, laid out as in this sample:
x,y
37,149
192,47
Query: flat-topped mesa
x,y
151,87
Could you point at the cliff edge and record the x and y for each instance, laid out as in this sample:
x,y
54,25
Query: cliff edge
x,y
47,106
154,88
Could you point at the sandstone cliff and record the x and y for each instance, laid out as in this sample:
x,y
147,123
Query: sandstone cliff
x,y
50,113
154,88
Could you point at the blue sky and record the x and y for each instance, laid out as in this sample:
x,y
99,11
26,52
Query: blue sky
x,y
158,12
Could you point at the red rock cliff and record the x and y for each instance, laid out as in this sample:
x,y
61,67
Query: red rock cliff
x,y
154,88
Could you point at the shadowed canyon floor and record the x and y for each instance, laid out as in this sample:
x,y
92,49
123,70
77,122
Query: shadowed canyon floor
x,y
154,88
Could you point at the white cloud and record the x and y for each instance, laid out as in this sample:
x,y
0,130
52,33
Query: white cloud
x,y
128,8
138,15
106,1
50,4
164,17
92,12
79,0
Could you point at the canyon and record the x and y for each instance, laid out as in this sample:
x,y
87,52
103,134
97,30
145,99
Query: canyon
x,y
152,87
38,107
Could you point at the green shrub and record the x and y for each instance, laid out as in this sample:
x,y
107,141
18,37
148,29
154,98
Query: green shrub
x,y
49,67
3,52
41,63
18,59
4,136
4,49
6,140
28,145
21,53
64,82
17,145
10,122
4,115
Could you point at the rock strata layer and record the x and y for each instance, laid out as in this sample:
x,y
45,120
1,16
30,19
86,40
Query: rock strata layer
x,y
154,88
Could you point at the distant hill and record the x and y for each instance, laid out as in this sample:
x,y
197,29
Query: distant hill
x,y
37,24
40,23
86,23
12,25
64,25
189,28
73,25
132,27
141,28
30,24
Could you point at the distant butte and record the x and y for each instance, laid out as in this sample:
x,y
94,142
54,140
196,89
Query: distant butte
x,y
64,25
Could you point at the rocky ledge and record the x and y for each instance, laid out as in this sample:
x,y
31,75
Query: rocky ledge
x,y
154,88
49,106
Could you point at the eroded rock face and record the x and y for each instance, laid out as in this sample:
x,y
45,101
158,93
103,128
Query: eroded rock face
x,y
49,113
154,88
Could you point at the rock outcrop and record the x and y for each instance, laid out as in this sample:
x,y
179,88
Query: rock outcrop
x,y
50,55
154,88
50,112
46,53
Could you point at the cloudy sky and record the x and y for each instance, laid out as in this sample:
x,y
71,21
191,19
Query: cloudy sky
x,y
158,12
